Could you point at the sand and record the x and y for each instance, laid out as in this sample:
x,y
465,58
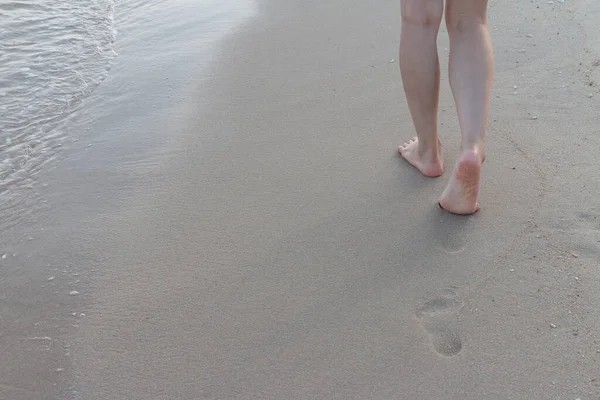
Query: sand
x,y
265,241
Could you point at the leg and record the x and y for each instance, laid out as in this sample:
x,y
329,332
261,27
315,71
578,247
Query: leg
x,y
420,70
471,70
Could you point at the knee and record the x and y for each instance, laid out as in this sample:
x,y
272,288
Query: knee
x,y
460,22
426,13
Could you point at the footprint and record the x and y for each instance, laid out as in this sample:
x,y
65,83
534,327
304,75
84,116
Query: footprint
x,y
591,217
449,232
437,318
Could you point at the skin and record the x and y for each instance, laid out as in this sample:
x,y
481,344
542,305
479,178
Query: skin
x,y
471,72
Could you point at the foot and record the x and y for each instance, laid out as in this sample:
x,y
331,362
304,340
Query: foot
x,y
427,161
460,196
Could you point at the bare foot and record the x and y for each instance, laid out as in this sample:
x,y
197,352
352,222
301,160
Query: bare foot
x,y
429,163
460,196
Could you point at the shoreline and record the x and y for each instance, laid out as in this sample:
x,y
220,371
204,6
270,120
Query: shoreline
x,y
53,253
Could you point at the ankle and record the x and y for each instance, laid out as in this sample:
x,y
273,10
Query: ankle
x,y
430,148
474,151
476,147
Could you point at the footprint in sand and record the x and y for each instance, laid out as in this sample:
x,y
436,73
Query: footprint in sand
x,y
438,317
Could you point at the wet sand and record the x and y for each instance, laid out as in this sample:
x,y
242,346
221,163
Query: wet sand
x,y
263,240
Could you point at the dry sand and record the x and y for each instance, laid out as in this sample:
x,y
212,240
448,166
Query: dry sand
x,y
278,248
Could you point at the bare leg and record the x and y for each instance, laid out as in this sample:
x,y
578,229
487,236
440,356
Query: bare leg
x,y
420,70
471,70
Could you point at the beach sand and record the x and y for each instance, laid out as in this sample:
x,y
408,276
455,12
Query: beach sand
x,y
263,240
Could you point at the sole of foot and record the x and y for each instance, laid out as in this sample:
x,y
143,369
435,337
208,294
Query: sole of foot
x,y
430,165
460,196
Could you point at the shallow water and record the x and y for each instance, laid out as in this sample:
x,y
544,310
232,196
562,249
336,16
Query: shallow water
x,y
54,54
